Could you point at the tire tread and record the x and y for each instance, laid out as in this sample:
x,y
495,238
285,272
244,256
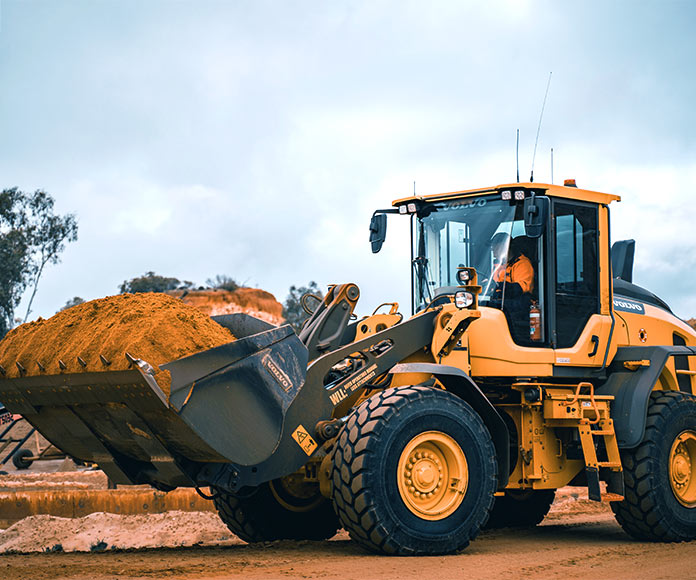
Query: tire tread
x,y
352,495
639,514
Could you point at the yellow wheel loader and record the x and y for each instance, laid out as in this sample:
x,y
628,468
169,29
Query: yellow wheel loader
x,y
530,362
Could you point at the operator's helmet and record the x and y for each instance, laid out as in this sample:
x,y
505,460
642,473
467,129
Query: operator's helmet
x,y
501,240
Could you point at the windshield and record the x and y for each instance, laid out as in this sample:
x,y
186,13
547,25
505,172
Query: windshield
x,y
459,233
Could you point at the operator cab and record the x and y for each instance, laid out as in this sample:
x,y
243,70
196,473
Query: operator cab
x,y
550,266
486,233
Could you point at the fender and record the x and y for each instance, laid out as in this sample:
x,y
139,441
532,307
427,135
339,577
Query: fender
x,y
460,384
632,388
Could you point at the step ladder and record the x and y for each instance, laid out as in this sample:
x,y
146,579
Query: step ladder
x,y
591,417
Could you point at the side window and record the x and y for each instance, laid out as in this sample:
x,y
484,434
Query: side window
x,y
454,244
577,279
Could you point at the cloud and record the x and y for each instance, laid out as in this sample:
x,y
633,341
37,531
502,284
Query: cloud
x,y
255,139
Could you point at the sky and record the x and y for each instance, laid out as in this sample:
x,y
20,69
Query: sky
x,y
254,139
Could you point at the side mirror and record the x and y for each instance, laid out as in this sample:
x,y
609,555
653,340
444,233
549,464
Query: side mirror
x,y
622,259
378,231
536,215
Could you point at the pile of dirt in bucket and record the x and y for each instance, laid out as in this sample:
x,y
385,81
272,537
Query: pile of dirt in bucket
x,y
96,335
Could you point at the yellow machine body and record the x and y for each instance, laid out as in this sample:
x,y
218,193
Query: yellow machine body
x,y
546,428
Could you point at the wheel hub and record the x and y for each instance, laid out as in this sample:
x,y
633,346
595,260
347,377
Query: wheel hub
x,y
423,473
432,475
681,468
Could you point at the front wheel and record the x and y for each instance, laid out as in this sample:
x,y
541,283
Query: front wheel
x,y
414,472
660,474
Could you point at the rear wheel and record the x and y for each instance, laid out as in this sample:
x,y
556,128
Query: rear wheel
x,y
283,509
660,474
414,472
521,509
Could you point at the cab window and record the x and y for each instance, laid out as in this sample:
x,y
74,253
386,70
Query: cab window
x,y
577,270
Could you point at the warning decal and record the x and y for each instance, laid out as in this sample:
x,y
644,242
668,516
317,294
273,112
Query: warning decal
x,y
304,440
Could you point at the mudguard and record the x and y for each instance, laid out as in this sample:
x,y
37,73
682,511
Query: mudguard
x,y
459,383
631,388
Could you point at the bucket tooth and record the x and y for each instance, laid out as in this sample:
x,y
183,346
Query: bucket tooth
x,y
41,367
131,359
62,365
105,361
82,362
3,372
22,370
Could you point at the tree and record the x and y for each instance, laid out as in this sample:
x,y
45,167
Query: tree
x,y
72,302
293,312
31,237
151,282
223,282
47,233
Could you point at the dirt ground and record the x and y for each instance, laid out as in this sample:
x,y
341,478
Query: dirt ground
x,y
578,539
569,547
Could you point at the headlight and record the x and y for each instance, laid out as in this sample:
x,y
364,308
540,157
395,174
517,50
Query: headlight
x,y
463,299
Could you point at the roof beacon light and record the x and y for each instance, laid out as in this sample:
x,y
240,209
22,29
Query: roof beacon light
x,y
569,183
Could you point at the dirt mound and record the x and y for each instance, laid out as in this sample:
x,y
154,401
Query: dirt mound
x,y
61,481
102,531
154,327
253,301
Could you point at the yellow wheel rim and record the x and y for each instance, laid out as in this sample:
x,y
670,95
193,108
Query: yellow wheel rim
x,y
682,468
433,475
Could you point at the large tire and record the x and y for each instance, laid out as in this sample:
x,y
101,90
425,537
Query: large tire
x,y
521,509
414,472
270,512
20,458
660,474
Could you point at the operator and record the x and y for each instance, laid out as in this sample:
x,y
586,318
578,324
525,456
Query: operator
x,y
514,271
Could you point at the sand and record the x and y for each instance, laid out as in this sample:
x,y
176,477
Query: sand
x,y
252,301
96,335
101,531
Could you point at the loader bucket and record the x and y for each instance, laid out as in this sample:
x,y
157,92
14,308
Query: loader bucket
x,y
227,405
235,396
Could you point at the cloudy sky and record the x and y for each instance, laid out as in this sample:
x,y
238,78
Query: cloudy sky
x,y
254,138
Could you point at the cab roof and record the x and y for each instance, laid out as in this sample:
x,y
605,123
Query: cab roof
x,y
567,192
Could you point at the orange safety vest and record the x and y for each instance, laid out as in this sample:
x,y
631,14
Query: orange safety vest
x,y
519,272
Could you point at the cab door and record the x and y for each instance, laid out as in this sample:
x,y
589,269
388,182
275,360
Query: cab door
x,y
580,328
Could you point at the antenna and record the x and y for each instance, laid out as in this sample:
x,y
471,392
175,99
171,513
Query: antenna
x,y
517,155
414,189
541,116
551,165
